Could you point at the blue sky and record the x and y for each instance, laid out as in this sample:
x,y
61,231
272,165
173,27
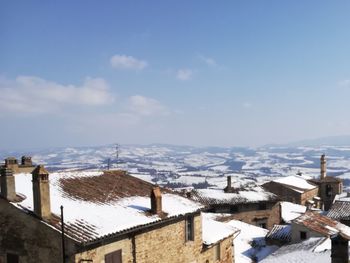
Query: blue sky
x,y
228,73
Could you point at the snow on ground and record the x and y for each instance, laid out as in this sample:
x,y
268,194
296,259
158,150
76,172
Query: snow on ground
x,y
250,242
290,211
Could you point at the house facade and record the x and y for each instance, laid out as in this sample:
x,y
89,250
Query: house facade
x,y
109,217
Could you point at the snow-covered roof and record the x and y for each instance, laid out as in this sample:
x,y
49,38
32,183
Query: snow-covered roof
x,y
312,250
323,225
340,210
214,231
97,203
250,242
296,183
290,211
218,196
280,233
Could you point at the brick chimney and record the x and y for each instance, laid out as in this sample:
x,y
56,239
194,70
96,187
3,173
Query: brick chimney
x,y
323,167
8,189
41,192
156,201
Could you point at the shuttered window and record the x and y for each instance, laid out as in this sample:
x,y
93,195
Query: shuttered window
x,y
114,257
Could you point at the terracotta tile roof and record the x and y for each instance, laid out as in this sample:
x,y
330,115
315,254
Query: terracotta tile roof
x,y
340,210
105,188
241,196
99,205
322,224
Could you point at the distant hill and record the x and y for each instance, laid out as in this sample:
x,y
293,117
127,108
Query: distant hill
x,y
343,140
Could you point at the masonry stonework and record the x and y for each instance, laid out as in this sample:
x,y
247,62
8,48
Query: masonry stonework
x,y
164,244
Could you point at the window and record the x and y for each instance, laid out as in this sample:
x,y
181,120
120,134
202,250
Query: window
x,y
262,206
303,235
234,209
189,228
114,257
328,190
262,222
217,252
12,258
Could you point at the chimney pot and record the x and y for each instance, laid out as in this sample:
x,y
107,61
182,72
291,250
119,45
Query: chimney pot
x,y
8,187
41,192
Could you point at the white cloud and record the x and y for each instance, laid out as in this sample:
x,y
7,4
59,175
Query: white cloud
x,y
247,105
146,106
127,62
344,83
29,94
184,74
207,60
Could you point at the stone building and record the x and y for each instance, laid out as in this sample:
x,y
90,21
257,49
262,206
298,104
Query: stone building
x,y
294,189
313,224
109,217
328,186
313,193
252,205
25,166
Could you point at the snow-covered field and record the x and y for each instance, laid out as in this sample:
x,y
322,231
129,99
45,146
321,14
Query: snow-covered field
x,y
184,166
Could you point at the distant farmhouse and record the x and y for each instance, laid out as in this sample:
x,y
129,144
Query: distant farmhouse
x,y
317,193
109,217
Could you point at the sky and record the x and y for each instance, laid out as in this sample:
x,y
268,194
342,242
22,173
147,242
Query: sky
x,y
202,73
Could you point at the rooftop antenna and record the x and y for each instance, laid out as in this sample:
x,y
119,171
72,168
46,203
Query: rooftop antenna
x,y
117,151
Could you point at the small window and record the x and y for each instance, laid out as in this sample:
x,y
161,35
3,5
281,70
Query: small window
x,y
114,257
189,228
12,258
234,209
262,206
217,252
328,190
302,235
263,225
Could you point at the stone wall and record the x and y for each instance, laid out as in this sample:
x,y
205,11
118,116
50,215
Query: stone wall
x,y
289,195
296,229
28,237
250,214
308,195
164,244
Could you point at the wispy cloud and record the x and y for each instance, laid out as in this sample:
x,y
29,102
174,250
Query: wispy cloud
x,y
208,61
247,105
127,62
30,94
146,106
184,74
344,83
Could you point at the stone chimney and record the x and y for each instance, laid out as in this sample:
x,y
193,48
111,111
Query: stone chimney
x,y
323,167
8,189
26,161
228,188
156,201
41,192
